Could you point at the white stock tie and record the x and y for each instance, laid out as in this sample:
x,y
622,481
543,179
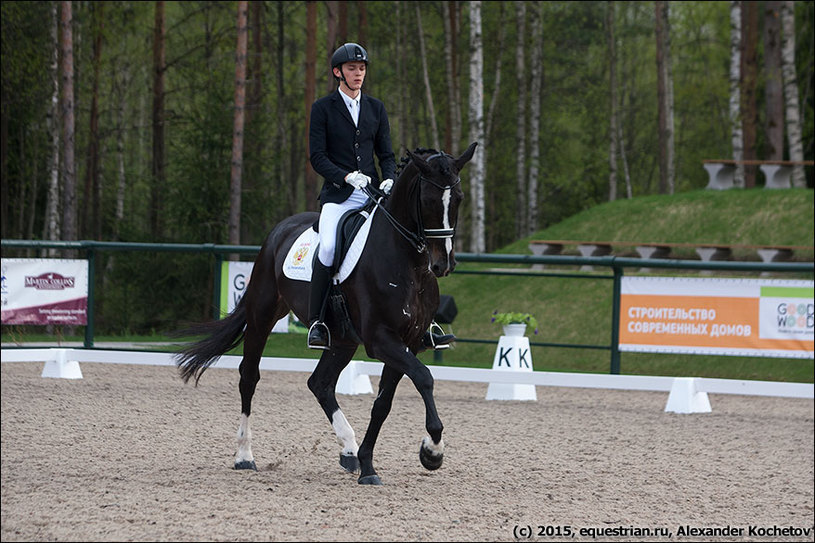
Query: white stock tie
x,y
355,112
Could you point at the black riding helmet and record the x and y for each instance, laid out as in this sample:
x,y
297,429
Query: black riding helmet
x,y
349,52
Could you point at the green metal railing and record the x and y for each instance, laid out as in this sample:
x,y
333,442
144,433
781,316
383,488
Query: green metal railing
x,y
615,263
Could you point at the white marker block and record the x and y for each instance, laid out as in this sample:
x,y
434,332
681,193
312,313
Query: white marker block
x,y
513,354
351,381
61,367
685,398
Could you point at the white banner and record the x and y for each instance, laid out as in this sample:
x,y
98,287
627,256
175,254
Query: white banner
x,y
234,280
44,291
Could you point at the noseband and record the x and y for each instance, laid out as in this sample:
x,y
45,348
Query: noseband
x,y
419,239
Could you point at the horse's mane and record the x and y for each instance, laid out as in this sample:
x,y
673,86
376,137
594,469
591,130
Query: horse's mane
x,y
403,162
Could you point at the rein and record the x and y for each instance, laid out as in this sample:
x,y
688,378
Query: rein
x,y
417,239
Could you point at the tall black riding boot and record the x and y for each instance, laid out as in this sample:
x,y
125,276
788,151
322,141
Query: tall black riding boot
x,y
318,335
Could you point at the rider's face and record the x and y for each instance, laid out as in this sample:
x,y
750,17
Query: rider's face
x,y
354,73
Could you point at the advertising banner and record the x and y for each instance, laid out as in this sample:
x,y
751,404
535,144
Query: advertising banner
x,y
44,291
234,280
740,317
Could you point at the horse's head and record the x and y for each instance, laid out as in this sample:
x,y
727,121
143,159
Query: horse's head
x,y
439,195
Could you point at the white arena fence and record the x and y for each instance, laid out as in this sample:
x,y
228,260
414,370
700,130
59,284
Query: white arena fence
x,y
686,394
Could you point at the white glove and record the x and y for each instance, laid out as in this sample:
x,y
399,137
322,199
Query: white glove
x,y
357,179
386,186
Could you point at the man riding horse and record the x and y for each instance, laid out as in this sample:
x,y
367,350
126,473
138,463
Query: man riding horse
x,y
347,129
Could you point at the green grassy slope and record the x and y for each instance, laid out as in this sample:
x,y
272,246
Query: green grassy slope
x,y
579,311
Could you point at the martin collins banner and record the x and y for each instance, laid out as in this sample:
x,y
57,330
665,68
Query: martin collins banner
x,y
739,317
44,291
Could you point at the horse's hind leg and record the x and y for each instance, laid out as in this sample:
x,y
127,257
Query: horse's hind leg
x,y
260,319
323,384
380,411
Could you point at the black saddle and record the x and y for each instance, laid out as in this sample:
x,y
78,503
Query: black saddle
x,y
347,229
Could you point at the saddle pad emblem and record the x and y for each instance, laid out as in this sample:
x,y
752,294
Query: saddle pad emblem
x,y
298,261
300,255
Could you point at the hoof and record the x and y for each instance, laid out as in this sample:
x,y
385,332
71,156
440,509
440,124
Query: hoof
x,y
428,460
246,465
349,463
370,480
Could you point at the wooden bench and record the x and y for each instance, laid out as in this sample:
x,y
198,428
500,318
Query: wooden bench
x,y
707,251
776,172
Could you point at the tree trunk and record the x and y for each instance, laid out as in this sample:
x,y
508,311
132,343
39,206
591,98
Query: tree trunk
x,y
477,171
121,133
362,26
737,136
92,223
51,229
669,89
773,86
69,231
749,79
452,138
664,99
793,112
342,36
332,29
311,83
534,118
158,173
612,83
520,127
434,131
496,91
237,131
400,76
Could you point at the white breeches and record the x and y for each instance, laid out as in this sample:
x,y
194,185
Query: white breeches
x,y
330,216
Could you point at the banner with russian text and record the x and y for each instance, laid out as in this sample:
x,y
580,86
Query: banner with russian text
x,y
739,317
44,291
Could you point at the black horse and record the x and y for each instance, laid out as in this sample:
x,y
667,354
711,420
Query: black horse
x,y
391,298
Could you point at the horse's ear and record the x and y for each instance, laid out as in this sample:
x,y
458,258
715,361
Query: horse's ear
x,y
420,163
466,156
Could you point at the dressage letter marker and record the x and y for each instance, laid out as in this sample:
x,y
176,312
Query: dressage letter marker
x,y
512,354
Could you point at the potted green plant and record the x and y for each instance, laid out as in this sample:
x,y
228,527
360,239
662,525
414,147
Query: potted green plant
x,y
515,323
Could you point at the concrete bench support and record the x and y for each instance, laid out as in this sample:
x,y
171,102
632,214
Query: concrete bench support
x,y
539,249
720,176
652,251
593,250
777,176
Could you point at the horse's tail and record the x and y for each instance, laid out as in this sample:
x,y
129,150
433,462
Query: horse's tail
x,y
222,336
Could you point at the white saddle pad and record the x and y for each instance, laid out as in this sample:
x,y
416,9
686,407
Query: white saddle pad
x,y
299,259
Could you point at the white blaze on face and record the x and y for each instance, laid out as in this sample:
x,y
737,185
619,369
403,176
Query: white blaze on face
x,y
244,453
345,434
445,200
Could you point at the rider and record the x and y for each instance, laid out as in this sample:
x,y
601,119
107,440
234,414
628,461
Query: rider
x,y
347,129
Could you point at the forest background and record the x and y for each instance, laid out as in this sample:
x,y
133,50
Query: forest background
x,y
187,121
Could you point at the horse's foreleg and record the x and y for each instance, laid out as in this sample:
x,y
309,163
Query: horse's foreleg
x,y
380,411
431,451
323,384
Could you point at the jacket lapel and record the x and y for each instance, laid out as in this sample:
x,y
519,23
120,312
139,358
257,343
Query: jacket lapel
x,y
339,104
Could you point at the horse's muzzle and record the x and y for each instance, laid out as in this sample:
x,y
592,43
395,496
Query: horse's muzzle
x,y
444,266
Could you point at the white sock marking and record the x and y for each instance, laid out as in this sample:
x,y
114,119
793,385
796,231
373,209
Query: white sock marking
x,y
345,434
244,453
435,450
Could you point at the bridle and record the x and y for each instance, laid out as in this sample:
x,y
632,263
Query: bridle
x,y
418,239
